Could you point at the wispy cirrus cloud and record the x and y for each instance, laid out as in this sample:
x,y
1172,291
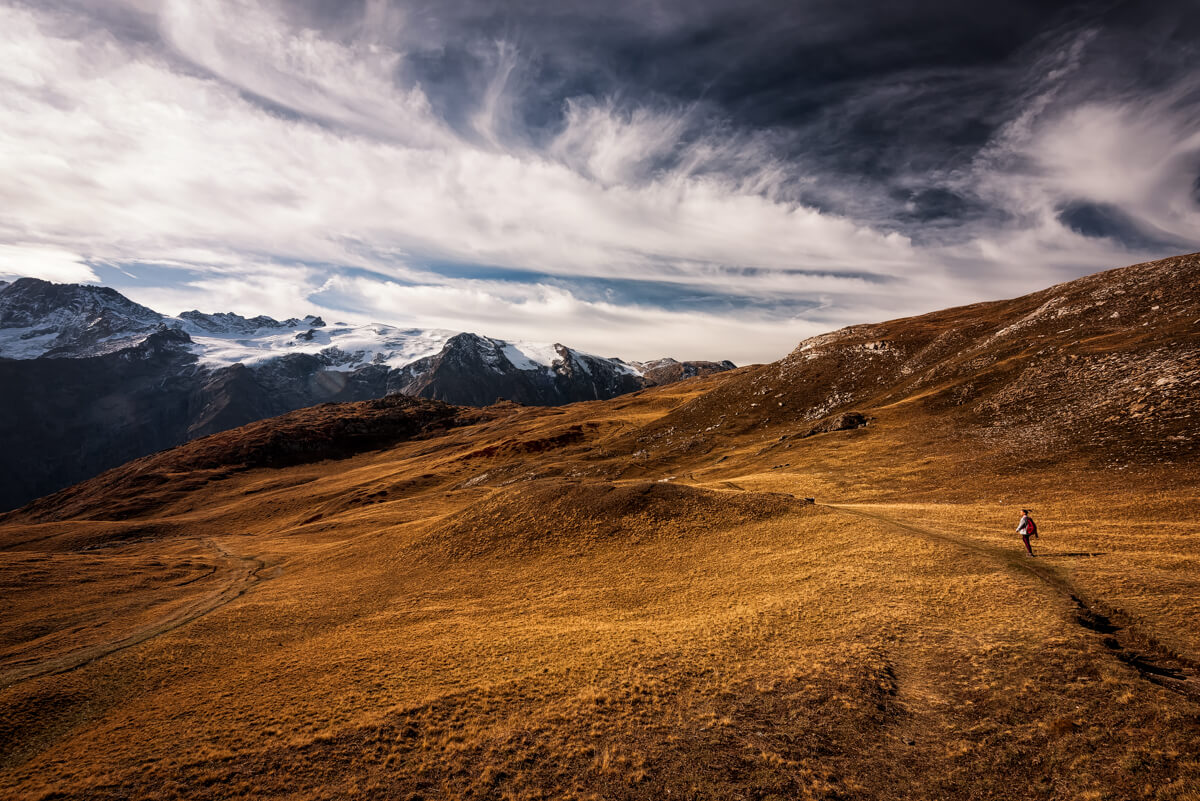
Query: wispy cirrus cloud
x,y
263,155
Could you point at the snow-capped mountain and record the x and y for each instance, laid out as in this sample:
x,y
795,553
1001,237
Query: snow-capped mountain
x,y
103,379
41,319
38,318
221,340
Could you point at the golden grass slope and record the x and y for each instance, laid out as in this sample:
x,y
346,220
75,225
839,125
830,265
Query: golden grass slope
x,y
630,599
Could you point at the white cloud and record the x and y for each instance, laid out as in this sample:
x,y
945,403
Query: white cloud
x,y
1137,153
350,85
274,290
615,147
47,263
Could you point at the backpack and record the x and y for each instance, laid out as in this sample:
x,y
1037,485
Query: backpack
x,y
1030,526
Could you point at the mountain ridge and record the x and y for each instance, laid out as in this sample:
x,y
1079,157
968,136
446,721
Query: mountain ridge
x,y
120,365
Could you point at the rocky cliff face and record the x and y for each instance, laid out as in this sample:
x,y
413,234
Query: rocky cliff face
x,y
95,380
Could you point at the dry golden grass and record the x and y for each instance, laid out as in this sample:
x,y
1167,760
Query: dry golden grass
x,y
626,599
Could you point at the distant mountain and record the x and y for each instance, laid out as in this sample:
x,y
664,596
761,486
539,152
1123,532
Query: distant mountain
x,y
668,371
526,375
40,319
93,379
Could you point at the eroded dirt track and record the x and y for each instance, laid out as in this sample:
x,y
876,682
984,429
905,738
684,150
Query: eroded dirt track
x,y
238,573
1119,634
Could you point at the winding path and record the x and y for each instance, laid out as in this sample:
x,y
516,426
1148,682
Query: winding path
x,y
1120,635
240,573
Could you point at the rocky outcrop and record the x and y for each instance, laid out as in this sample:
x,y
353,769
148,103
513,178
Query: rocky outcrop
x,y
846,421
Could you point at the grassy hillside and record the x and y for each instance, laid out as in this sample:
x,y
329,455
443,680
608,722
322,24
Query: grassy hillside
x,y
634,599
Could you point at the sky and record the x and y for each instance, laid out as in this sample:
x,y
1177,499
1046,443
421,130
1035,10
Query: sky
x,y
705,179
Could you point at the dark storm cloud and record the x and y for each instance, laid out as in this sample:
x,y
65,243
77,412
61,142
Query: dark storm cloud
x,y
1106,221
887,98
866,89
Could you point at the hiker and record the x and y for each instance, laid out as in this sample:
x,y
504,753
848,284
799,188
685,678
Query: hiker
x,y
1027,528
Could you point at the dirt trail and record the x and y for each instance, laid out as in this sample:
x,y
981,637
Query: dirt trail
x,y
1120,635
240,572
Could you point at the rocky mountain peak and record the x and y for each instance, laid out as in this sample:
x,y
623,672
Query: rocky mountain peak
x,y
230,323
668,370
32,301
40,318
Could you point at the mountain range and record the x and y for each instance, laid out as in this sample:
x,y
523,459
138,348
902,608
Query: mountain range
x,y
104,380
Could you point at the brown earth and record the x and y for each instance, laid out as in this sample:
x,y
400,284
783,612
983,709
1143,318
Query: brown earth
x,y
632,599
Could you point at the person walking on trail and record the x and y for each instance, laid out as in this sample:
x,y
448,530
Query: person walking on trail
x,y
1027,528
